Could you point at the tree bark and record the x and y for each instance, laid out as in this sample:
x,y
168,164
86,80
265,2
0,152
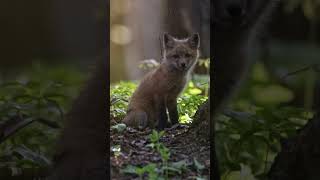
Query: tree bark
x,y
203,128
184,17
202,121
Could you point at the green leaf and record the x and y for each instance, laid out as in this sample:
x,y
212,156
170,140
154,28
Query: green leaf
x,y
180,164
130,169
154,136
119,127
28,154
172,169
116,150
245,173
198,165
140,171
195,91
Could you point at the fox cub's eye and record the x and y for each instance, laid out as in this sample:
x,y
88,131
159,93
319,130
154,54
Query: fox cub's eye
x,y
176,56
188,55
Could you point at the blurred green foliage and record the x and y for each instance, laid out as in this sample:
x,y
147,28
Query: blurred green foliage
x,y
310,8
250,130
42,92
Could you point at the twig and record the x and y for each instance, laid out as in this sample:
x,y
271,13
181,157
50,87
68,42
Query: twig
x,y
309,67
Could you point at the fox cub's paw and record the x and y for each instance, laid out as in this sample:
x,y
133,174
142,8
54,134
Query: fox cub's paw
x,y
137,119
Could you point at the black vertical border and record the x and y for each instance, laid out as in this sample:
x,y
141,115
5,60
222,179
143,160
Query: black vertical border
x,y
211,93
106,45
214,170
211,129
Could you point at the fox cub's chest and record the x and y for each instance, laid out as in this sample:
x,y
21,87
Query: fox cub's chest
x,y
175,87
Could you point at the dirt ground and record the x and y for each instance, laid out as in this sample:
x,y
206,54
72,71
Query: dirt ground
x,y
182,144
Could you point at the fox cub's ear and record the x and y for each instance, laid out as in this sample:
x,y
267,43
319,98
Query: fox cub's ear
x,y
194,41
168,41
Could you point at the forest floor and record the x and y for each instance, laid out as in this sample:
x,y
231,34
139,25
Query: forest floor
x,y
184,147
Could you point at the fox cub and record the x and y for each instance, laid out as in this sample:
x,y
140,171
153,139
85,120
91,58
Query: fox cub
x,y
159,89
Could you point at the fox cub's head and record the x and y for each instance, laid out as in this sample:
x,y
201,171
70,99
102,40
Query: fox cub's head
x,y
180,54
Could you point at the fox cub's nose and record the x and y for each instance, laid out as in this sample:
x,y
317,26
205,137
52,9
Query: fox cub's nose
x,y
235,10
183,65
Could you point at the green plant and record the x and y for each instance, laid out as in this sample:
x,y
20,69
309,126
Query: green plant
x,y
249,132
163,170
120,94
32,105
189,102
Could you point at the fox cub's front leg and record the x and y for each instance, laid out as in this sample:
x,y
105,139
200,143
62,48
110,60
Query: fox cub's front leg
x,y
173,111
161,114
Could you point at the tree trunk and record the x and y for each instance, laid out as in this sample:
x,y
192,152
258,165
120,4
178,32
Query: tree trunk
x,y
145,22
184,17
202,121
203,129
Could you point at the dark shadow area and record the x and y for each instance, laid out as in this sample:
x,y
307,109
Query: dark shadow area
x,y
265,88
49,51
